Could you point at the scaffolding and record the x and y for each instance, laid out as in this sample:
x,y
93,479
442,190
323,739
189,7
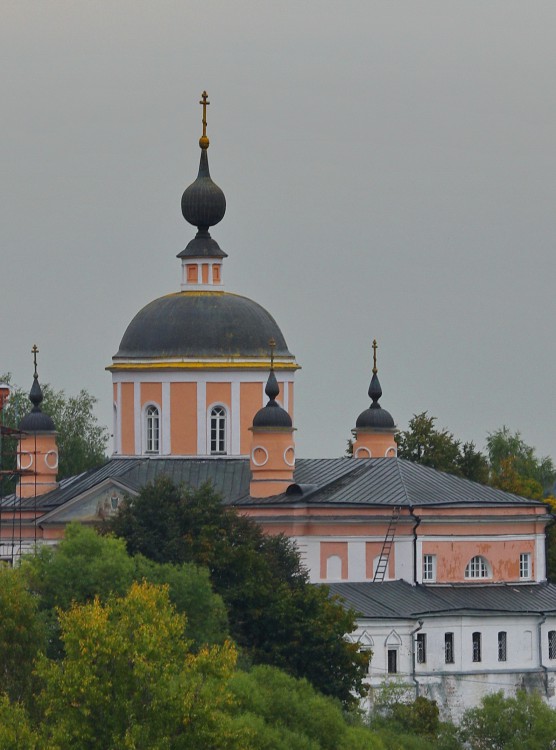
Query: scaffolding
x,y
17,514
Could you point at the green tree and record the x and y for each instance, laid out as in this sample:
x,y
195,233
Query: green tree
x,y
423,443
86,565
515,466
81,439
21,634
129,680
288,713
275,615
15,728
521,723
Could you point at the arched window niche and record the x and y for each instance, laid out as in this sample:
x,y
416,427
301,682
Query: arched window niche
x,y
152,429
218,428
477,568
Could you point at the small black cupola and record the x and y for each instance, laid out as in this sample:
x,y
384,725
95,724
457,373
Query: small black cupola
x,y
203,203
375,416
36,420
272,415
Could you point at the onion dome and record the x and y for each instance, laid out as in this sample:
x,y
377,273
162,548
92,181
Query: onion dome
x,y
272,415
203,203
375,417
36,420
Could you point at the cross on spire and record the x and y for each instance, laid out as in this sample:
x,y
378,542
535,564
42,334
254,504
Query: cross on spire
x,y
203,140
34,352
375,347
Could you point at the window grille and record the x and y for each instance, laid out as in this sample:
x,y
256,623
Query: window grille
x,y
476,646
502,646
421,648
449,648
392,661
552,644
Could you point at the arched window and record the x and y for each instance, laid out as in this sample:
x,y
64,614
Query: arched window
x,y
152,419
334,568
552,644
477,567
217,430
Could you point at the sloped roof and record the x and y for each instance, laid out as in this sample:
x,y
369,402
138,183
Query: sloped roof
x,y
401,600
318,481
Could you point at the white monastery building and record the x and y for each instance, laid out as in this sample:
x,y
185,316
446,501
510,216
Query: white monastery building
x,y
448,576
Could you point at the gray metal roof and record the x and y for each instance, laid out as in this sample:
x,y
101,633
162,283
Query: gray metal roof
x,y
399,599
332,481
385,481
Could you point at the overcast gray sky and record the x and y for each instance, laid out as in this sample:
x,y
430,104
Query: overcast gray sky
x,y
390,172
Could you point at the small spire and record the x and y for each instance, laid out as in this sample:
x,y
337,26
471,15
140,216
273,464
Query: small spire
x,y
375,391
35,394
272,388
203,140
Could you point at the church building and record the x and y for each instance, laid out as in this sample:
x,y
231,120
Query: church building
x,y
448,576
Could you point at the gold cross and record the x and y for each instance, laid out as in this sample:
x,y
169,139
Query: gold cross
x,y
204,141
375,347
34,352
272,345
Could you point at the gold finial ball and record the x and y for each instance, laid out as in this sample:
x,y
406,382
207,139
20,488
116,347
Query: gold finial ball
x,y
204,142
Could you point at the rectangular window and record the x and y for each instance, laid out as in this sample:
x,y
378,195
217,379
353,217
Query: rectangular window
x,y
449,648
502,646
429,567
476,647
525,565
392,661
421,650
552,644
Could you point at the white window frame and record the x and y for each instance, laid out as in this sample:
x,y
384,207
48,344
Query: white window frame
x,y
525,569
429,568
222,427
152,432
477,568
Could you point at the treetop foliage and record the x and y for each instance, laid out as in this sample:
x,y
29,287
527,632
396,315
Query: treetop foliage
x,y
276,616
509,464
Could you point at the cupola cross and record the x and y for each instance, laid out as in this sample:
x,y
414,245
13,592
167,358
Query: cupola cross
x,y
204,102
34,352
375,347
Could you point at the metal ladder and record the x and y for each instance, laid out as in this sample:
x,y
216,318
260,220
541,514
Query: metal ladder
x,y
384,556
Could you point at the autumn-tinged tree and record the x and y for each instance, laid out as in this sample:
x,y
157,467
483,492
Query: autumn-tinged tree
x,y
515,466
276,616
129,680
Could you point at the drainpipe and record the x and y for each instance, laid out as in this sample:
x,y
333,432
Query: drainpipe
x,y
413,633
542,666
417,522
